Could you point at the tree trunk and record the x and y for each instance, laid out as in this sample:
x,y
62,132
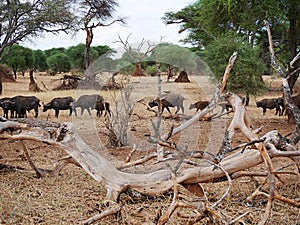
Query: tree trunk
x,y
292,40
88,42
1,81
33,87
15,74
170,73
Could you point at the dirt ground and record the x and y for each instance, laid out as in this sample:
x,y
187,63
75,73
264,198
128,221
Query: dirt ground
x,y
73,196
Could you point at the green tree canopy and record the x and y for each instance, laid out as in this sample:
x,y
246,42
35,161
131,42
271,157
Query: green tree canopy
x,y
174,55
20,20
40,60
19,58
245,76
77,54
208,20
53,51
59,62
104,49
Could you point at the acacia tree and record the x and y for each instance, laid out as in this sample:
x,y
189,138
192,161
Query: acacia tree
x,y
20,20
23,20
207,20
96,13
174,56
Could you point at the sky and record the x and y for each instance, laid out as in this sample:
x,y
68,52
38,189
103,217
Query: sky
x,y
143,22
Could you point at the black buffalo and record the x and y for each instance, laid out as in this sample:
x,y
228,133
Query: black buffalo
x,y
7,105
60,103
169,100
19,105
26,103
269,104
87,102
280,101
100,107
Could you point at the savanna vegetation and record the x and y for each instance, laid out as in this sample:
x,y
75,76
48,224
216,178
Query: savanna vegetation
x,y
175,169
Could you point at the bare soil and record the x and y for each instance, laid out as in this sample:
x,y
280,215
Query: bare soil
x,y
73,196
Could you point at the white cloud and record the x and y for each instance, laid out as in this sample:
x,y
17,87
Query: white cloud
x,y
143,21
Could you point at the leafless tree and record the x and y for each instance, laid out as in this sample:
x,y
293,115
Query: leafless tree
x,y
138,54
118,123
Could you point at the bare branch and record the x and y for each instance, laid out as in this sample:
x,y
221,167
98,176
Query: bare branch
x,y
286,88
227,70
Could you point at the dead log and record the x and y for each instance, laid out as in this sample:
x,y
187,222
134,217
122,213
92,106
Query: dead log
x,y
116,181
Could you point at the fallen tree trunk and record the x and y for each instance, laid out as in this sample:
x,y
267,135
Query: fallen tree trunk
x,y
104,171
116,181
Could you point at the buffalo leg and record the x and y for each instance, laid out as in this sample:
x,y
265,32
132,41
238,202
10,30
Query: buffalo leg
x,y
56,113
89,111
82,110
167,109
36,113
75,111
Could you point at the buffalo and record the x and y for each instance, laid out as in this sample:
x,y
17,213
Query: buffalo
x,y
26,103
100,107
169,100
282,104
200,105
269,104
19,105
7,105
87,102
60,103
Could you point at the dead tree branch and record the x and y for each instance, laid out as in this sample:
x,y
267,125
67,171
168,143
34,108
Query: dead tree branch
x,y
286,89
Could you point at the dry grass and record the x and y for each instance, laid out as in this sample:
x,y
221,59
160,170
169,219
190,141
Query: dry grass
x,y
73,196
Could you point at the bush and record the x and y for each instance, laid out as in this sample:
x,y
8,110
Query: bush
x,y
151,70
246,74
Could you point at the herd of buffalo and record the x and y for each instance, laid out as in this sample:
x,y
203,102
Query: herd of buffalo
x,y
18,106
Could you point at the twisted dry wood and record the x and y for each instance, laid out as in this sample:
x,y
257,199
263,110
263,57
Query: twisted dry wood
x,y
65,136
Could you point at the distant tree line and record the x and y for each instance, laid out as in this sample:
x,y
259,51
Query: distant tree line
x,y
24,20
54,60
